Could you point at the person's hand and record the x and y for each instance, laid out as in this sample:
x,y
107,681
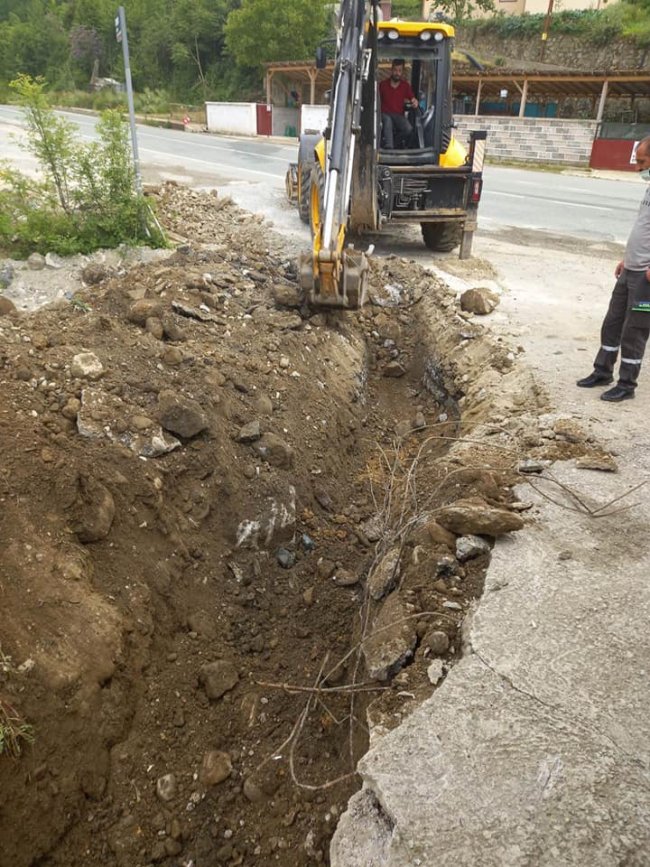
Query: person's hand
x,y
414,103
619,270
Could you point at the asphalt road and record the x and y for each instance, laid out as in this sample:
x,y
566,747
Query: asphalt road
x,y
562,204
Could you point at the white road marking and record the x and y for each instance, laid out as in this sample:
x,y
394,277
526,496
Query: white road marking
x,y
214,166
551,201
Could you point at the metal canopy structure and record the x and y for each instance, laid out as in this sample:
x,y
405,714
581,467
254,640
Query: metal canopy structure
x,y
487,85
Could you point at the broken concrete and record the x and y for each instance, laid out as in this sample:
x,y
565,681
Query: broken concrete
x,y
535,748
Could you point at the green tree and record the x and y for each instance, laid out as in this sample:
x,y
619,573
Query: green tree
x,y
461,10
261,31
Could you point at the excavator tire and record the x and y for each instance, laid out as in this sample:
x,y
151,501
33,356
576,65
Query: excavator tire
x,y
442,237
304,190
317,189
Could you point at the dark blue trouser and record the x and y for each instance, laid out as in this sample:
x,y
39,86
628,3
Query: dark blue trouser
x,y
626,328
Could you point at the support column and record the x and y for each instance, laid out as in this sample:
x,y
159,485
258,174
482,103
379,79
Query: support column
x,y
601,103
269,80
313,73
478,96
524,97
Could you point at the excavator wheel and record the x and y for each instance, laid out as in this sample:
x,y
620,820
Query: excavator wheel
x,y
316,198
304,190
442,237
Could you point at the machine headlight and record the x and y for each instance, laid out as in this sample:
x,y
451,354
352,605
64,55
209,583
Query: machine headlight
x,y
393,34
438,36
426,35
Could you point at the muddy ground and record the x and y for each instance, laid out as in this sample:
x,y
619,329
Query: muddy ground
x,y
228,541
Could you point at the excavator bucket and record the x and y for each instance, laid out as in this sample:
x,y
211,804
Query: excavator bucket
x,y
341,283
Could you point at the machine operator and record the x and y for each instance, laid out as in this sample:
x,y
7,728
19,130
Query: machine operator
x,y
394,94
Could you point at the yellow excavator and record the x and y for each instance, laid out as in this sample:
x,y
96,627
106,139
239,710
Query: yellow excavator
x,y
347,183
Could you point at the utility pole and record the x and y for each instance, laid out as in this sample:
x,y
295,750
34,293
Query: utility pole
x,y
547,25
121,36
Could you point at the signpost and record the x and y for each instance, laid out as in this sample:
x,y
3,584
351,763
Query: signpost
x,y
121,36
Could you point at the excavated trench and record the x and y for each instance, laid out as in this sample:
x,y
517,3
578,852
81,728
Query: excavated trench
x,y
232,546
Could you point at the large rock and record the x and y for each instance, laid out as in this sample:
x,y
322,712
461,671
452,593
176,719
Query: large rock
x,y
181,415
385,576
391,641
474,516
480,301
469,547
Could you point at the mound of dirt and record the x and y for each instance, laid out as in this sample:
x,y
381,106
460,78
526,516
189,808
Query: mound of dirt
x,y
201,484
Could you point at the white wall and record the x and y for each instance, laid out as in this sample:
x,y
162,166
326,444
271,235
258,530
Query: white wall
x,y
313,117
236,118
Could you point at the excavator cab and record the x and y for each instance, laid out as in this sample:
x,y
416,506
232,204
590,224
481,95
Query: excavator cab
x,y
350,183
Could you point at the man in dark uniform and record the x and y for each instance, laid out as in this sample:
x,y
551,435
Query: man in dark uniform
x,y
627,324
394,92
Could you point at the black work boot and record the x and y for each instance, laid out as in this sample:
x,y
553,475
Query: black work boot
x,y
595,379
617,394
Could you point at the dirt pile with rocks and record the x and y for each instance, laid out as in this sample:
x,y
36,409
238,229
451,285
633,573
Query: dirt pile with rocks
x,y
233,531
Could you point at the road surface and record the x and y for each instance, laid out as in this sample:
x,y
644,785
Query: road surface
x,y
564,205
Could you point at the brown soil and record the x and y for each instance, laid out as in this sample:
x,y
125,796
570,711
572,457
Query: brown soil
x,y
123,575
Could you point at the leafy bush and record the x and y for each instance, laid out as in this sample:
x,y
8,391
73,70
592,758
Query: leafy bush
x,y
87,198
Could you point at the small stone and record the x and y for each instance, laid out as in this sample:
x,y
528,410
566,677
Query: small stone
x,y
344,578
215,768
54,261
603,462
452,606
286,295
172,356
419,422
474,516
249,433
446,566
7,274
435,672
263,405
158,851
141,422
143,309
394,369
86,365
325,568
275,451
94,274
47,455
437,642
7,307
218,678
403,429
308,596
530,465
469,547
154,326
385,576
284,362
285,558
181,415
391,640
167,787
36,262
173,847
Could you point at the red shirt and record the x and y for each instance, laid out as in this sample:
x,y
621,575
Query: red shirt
x,y
393,98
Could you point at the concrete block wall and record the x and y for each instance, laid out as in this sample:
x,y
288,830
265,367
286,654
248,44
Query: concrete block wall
x,y
549,140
